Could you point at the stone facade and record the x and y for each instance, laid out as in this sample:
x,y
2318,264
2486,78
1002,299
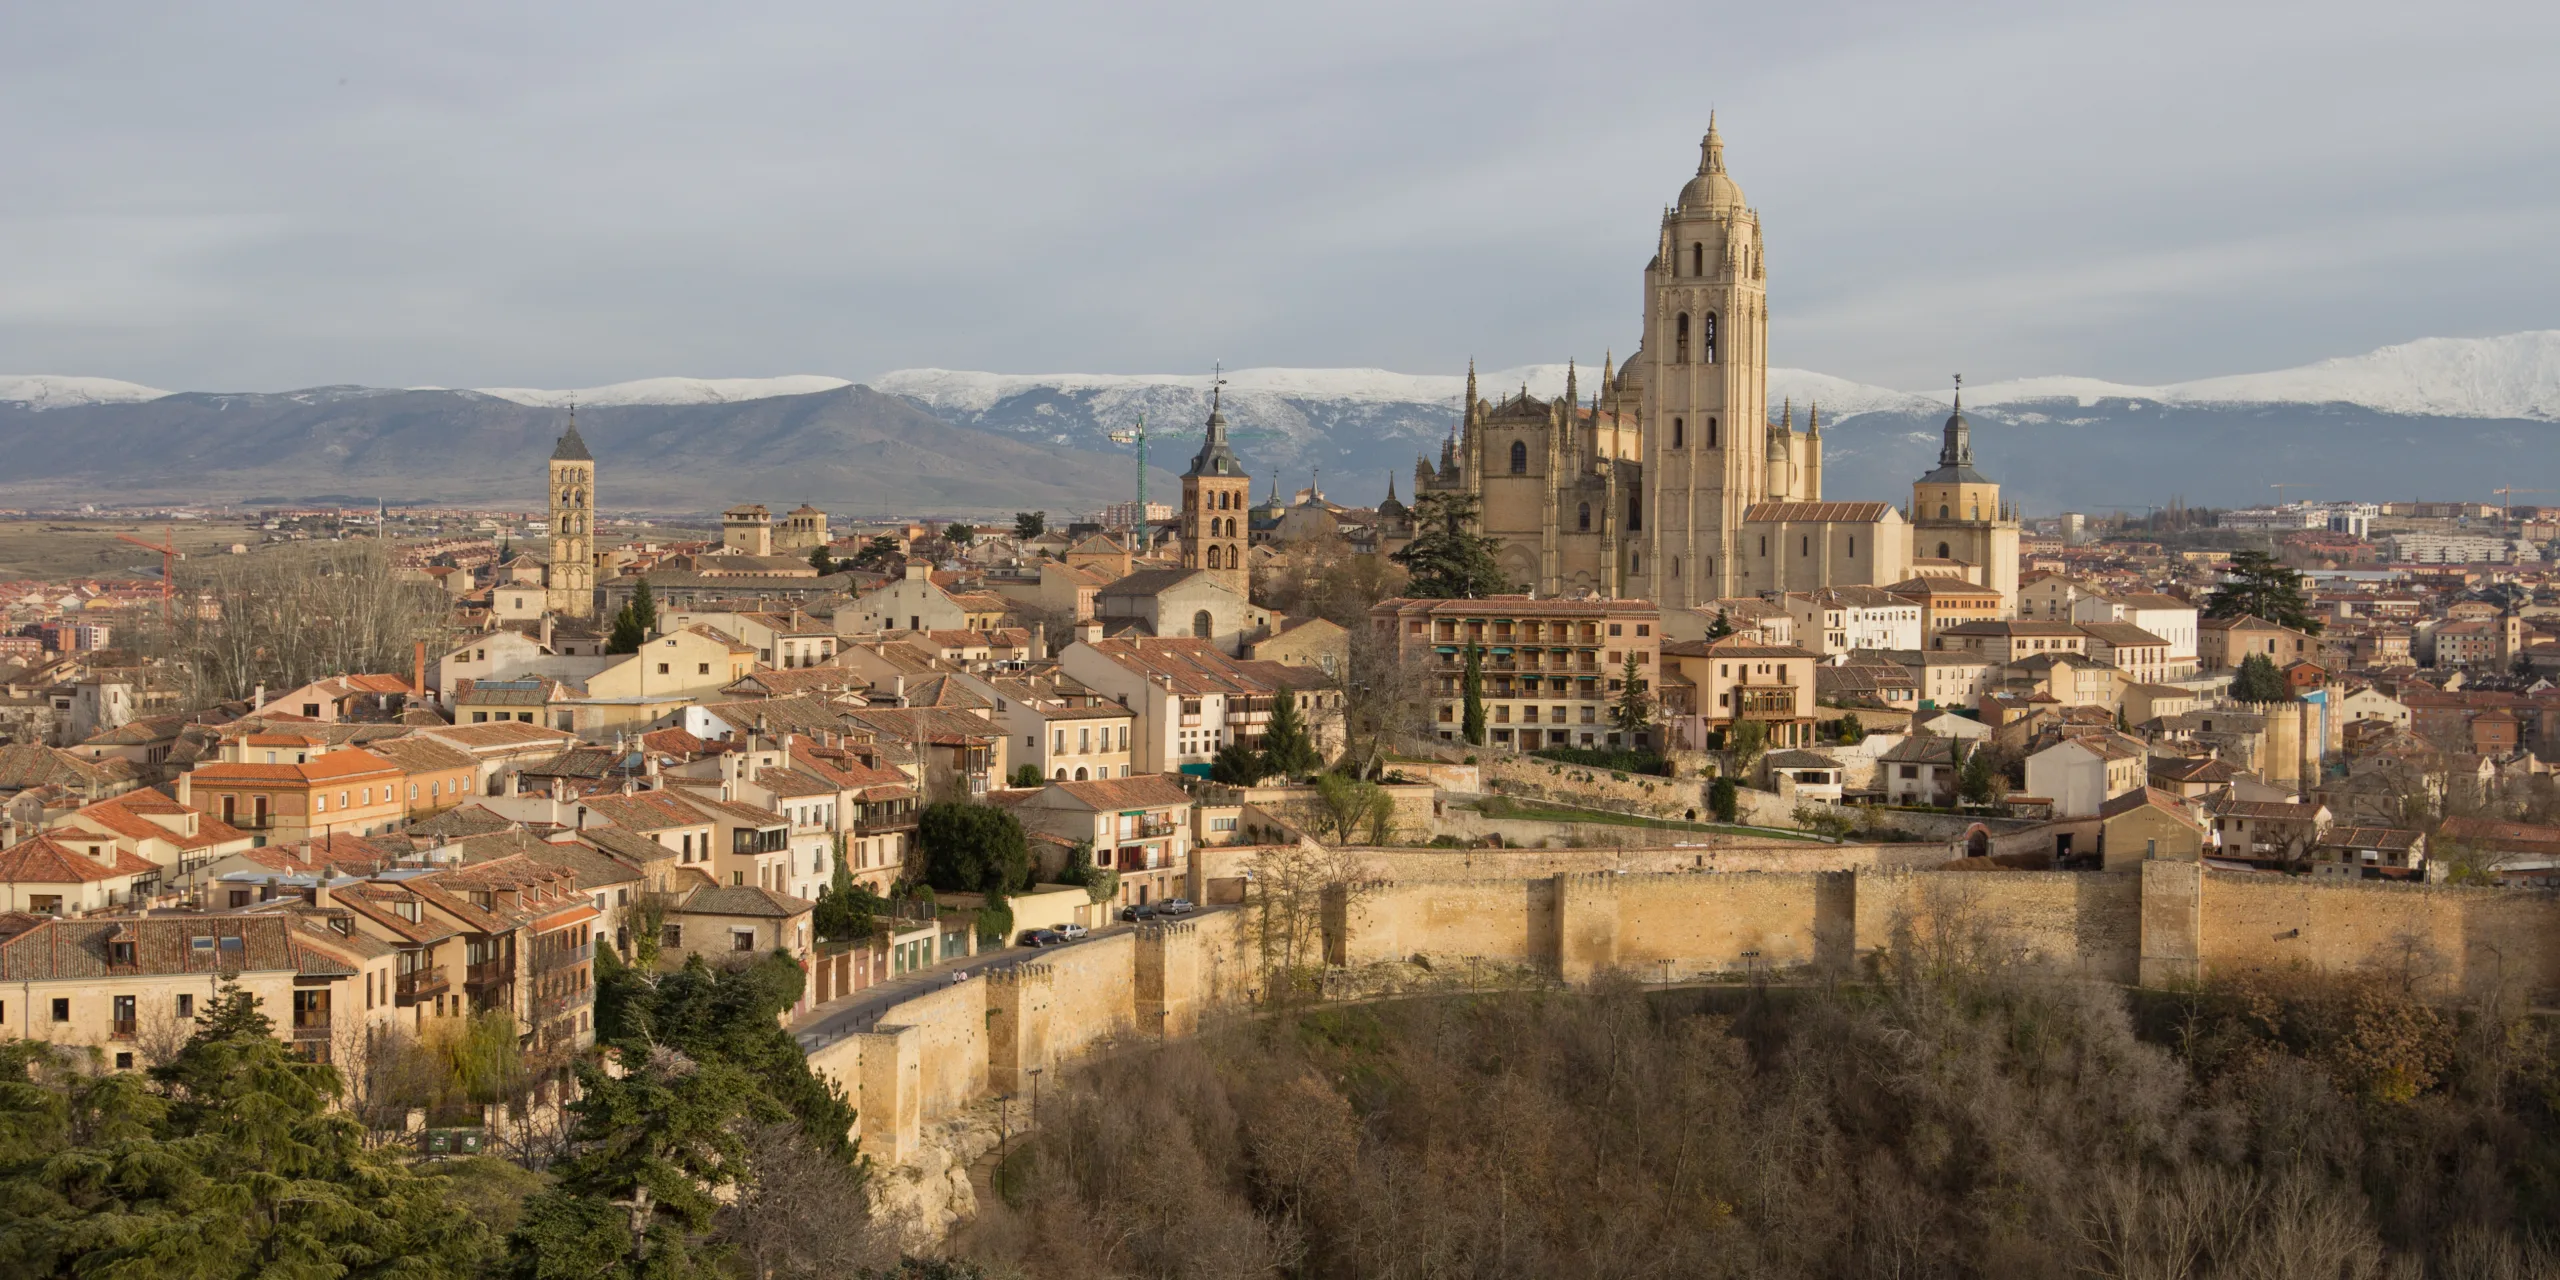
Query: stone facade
x,y
1671,481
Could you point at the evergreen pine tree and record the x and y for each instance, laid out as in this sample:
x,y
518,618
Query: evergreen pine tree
x,y
2261,586
821,560
644,609
2258,680
1472,725
1635,702
1720,628
1286,748
1447,559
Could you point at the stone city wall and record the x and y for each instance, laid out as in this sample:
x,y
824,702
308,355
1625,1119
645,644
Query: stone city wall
x,y
1557,912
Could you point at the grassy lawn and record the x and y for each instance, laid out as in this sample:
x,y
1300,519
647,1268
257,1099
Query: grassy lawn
x,y
1605,817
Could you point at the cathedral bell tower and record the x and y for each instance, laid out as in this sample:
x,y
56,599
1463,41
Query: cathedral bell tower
x,y
1215,495
1701,390
571,581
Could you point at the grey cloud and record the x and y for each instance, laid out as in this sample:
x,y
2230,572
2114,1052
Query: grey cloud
x,y
270,195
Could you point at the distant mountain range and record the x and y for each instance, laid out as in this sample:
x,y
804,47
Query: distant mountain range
x,y
2441,417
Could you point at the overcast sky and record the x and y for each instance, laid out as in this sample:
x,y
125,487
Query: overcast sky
x,y
258,196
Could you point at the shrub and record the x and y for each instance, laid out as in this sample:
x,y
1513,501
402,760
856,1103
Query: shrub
x,y
1619,759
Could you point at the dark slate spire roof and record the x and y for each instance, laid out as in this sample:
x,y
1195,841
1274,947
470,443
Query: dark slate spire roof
x,y
1215,458
1955,454
571,448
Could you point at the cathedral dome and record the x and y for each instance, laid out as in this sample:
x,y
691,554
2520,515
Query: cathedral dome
x,y
1713,188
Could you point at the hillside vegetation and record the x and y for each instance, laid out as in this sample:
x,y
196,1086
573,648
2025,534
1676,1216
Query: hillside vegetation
x,y
1960,1123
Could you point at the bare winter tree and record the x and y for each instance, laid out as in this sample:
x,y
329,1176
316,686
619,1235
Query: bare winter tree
x,y
1296,885
289,616
801,1213
1386,698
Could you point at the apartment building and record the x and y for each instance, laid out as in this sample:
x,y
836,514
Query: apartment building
x,y
1839,619
1189,699
1552,668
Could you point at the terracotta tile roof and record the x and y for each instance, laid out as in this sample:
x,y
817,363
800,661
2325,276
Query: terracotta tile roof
x,y
46,860
56,949
498,735
744,900
645,811
1820,512
345,764
1145,790
2146,797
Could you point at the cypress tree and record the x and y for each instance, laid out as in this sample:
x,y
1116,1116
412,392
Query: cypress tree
x,y
1473,726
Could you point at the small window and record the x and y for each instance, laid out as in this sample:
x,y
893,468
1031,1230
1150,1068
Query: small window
x,y
186,1005
62,1008
662,669
671,935
1679,433
742,939
1711,433
1519,457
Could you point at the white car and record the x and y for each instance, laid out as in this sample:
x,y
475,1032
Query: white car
x,y
1071,932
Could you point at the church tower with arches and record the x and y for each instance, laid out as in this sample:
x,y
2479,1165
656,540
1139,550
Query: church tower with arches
x,y
1216,493
1957,519
570,583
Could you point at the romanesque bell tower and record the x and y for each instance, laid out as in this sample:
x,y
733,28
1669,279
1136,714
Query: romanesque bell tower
x,y
571,582
1215,493
1701,390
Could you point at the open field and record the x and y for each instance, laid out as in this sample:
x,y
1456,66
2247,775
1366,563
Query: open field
x,y
57,549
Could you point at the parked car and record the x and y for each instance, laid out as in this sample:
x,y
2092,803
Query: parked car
x,y
1072,931
1139,912
1175,907
1039,938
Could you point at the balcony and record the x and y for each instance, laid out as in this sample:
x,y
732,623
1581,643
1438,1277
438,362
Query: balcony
x,y
421,985
1152,827
549,959
491,973
121,1029
310,1026
884,824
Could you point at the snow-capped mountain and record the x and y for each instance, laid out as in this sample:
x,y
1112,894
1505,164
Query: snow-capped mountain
x,y
2446,416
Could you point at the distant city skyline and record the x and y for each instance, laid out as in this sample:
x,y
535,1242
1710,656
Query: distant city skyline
x,y
264,197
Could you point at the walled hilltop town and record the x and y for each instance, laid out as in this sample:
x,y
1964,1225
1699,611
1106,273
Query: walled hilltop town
x,y
1615,693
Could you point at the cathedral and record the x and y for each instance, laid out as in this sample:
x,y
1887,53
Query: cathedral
x,y
1674,482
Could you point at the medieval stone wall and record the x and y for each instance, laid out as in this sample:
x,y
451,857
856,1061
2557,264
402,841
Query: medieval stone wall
x,y
2161,924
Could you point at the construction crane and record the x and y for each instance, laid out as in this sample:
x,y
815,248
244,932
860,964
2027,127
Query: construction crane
x,y
2506,513
2280,488
168,549
1137,435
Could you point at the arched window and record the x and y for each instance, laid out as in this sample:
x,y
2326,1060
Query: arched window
x,y
1582,518
1201,626
1680,347
1635,510
1942,551
1079,773
1977,509
1210,561
1635,562
1711,433
1709,345
1697,259
1675,566
1062,773
1519,457
1679,433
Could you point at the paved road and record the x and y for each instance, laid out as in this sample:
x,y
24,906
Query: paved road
x,y
861,1011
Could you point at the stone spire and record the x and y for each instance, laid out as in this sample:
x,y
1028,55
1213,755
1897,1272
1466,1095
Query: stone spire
x,y
1468,410
571,448
1608,374
1813,420
1572,388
